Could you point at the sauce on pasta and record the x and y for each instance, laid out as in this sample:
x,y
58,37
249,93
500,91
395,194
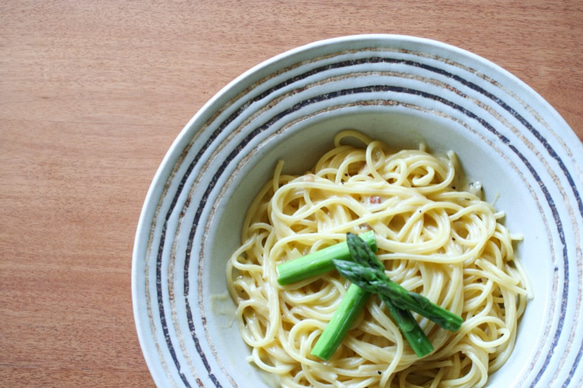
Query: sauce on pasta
x,y
435,238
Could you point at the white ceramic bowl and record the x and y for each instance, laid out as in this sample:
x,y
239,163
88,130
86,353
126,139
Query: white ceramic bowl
x,y
395,88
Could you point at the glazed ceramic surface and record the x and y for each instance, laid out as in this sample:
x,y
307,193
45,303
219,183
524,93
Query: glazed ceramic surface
x,y
398,89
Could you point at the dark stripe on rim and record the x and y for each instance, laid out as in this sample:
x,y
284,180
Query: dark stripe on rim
x,y
161,301
375,59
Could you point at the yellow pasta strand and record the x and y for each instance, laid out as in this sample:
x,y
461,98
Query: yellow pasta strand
x,y
443,242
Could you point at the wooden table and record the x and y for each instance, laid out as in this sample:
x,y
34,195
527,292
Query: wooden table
x,y
92,94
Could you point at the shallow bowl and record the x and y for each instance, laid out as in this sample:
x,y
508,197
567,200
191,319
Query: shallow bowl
x,y
398,89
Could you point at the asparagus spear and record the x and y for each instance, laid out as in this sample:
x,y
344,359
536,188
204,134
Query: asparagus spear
x,y
374,281
342,319
351,305
319,262
372,269
361,255
409,327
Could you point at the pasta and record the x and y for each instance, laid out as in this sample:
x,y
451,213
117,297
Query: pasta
x,y
434,239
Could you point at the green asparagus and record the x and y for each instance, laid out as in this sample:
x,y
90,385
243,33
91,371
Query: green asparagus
x,y
409,327
367,274
319,262
342,319
374,281
413,333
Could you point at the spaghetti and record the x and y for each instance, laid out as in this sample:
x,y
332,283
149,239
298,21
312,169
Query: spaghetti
x,y
433,238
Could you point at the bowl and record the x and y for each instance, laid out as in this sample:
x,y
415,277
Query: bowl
x,y
398,89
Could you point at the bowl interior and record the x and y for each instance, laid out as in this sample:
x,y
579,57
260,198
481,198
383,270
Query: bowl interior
x,y
301,144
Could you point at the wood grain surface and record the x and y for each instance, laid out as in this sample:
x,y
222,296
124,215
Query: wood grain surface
x,y
92,94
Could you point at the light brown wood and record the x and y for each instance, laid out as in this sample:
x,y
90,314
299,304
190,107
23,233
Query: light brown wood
x,y
92,94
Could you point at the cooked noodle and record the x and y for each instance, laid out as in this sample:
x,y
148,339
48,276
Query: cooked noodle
x,y
434,239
